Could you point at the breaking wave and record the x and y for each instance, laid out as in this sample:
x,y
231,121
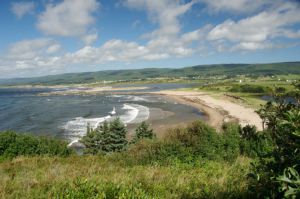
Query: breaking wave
x,y
77,127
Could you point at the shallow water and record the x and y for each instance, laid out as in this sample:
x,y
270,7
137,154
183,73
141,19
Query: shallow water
x,y
67,117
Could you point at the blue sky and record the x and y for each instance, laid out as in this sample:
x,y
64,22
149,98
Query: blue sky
x,y
46,37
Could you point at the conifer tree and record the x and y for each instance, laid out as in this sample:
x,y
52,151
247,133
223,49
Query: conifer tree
x,y
90,140
108,137
116,140
143,131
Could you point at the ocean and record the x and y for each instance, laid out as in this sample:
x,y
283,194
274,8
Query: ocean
x,y
67,116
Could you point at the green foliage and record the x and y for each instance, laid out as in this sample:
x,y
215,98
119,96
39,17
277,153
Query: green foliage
x,y
290,183
282,121
82,189
232,139
13,144
143,131
194,144
139,74
247,88
109,176
254,144
108,137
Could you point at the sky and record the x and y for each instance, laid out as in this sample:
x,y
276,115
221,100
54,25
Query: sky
x,y
45,37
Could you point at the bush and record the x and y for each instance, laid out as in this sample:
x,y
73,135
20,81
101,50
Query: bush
x,y
232,139
13,144
276,172
247,88
197,142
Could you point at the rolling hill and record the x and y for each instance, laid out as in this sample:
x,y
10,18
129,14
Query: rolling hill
x,y
194,71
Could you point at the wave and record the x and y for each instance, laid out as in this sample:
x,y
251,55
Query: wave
x,y
77,127
135,113
133,98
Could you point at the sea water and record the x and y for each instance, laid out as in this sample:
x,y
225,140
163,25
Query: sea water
x,y
68,116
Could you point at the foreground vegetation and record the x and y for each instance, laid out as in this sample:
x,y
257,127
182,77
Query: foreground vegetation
x,y
180,166
114,177
190,162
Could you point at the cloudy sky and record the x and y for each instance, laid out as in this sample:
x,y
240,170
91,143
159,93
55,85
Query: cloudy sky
x,y
58,36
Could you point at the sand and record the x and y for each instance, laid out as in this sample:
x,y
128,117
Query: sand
x,y
90,90
217,110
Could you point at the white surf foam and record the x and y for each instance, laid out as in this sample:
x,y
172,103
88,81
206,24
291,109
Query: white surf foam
x,y
131,98
77,127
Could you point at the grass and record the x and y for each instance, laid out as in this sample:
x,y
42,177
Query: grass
x,y
55,177
191,162
219,87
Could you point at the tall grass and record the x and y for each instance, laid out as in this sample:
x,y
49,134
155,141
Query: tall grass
x,y
98,176
191,162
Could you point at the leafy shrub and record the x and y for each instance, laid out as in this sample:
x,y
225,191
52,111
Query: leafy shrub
x,y
253,143
196,142
232,139
13,144
247,88
282,120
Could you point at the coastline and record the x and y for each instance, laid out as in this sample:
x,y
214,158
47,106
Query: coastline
x,y
217,110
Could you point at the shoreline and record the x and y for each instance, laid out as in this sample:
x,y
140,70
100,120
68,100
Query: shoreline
x,y
218,111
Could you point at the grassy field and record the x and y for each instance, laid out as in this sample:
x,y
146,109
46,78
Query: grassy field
x,y
190,162
46,177
219,88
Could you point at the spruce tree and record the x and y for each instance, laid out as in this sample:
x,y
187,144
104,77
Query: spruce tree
x,y
116,140
102,136
143,131
90,140
108,137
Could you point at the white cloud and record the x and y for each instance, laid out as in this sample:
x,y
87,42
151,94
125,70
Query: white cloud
x,y
251,33
163,12
166,40
90,38
22,8
74,18
252,46
68,18
238,6
29,49
53,48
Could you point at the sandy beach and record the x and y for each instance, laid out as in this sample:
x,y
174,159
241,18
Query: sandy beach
x,y
83,90
217,110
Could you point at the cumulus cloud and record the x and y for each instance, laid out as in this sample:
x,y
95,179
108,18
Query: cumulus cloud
x,y
253,32
69,18
256,31
163,12
29,49
22,8
166,40
37,54
90,38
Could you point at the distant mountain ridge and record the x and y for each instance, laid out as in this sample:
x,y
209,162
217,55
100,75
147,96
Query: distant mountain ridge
x,y
193,71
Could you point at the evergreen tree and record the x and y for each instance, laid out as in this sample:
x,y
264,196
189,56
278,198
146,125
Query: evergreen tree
x,y
116,139
102,136
90,140
143,131
108,137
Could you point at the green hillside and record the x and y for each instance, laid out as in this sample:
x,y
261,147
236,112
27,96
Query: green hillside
x,y
194,71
